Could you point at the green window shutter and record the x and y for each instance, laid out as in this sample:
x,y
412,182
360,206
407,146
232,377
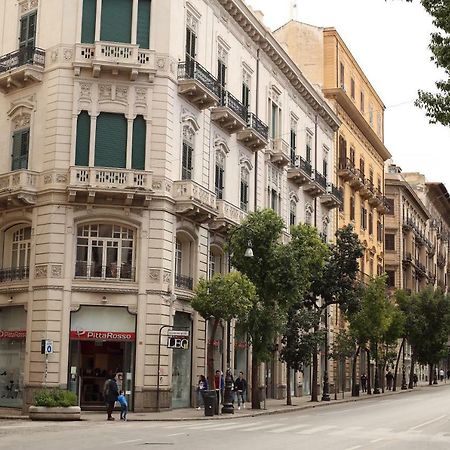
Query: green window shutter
x,y
83,139
111,140
21,142
143,23
88,23
139,138
116,20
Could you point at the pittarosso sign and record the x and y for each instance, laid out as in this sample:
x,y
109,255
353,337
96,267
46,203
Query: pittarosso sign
x,y
102,336
13,334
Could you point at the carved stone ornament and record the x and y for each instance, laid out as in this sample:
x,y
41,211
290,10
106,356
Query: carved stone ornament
x,y
122,94
21,120
161,63
40,271
28,5
85,91
61,178
166,276
154,275
56,271
68,54
105,92
48,179
141,96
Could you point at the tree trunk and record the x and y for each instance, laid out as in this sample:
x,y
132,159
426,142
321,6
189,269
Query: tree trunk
x,y
355,357
288,386
431,377
400,350
210,356
314,390
256,404
411,373
369,386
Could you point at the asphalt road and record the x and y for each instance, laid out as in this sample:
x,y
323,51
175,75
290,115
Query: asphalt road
x,y
414,421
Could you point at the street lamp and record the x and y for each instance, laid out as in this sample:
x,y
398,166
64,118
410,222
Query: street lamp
x,y
228,407
326,385
249,251
404,386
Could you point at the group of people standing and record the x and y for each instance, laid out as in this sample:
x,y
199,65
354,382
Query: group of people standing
x,y
239,388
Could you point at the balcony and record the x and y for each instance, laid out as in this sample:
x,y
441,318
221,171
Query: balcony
x,y
197,85
421,271
346,169
376,197
115,58
279,152
407,259
231,114
357,180
383,207
300,172
228,215
317,185
105,185
184,282
333,197
194,201
18,188
112,271
441,260
365,190
14,274
256,136
21,68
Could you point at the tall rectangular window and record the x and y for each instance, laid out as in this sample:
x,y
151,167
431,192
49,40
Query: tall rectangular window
x,y
390,278
143,23
325,168
389,241
390,205
246,93
83,139
186,169
352,208
293,141
342,76
191,45
362,102
27,37
275,113
88,21
293,213
21,143
342,152
370,223
111,140
116,20
363,218
244,189
362,167
352,88
139,141
220,175
309,137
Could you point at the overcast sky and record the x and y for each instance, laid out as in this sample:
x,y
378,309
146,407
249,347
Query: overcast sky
x,y
389,39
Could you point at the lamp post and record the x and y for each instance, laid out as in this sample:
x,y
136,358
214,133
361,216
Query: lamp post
x,y
404,385
228,407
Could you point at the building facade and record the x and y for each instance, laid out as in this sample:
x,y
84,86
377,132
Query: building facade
x,y
133,134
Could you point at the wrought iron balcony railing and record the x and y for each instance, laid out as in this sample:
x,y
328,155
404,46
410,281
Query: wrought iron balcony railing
x,y
104,272
258,125
14,274
184,282
320,179
192,70
230,101
304,165
25,55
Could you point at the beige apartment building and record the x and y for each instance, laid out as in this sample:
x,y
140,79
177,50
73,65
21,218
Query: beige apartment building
x,y
360,154
132,137
416,236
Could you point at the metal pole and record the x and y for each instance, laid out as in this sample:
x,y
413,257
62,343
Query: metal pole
x,y
326,386
159,364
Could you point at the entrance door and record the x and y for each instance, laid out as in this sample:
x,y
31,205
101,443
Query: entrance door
x,y
182,365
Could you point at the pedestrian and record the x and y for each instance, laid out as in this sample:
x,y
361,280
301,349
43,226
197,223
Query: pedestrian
x,y
240,386
441,375
123,406
415,379
110,394
448,374
364,382
389,379
219,386
202,386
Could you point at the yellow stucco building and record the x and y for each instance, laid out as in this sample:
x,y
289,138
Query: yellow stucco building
x,y
360,153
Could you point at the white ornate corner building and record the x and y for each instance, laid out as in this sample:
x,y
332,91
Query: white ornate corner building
x,y
133,134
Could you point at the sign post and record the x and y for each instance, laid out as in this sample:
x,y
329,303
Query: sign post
x,y
46,349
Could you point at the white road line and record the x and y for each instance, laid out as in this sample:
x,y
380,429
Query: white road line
x,y
354,448
427,423
235,427
262,427
317,429
128,442
212,426
376,440
286,429
174,434
196,425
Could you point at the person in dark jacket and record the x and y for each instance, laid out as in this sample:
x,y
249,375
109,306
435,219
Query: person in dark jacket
x,y
202,386
219,385
110,394
240,386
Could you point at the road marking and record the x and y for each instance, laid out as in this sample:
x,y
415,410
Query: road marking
x,y
376,440
346,431
174,434
354,448
129,442
262,427
235,427
317,429
428,422
291,428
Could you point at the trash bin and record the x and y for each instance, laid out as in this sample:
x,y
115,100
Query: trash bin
x,y
356,390
210,400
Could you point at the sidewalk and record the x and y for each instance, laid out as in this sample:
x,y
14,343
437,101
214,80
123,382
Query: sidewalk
x,y
272,407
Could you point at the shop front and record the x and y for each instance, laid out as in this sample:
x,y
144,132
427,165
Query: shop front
x,y
240,354
102,343
13,324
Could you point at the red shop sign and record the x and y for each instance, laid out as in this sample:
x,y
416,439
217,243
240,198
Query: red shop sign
x,y
241,345
85,335
215,342
13,334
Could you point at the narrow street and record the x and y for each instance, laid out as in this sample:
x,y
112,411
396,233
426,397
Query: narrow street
x,y
415,421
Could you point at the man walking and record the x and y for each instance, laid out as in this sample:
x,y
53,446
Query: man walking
x,y
110,394
389,379
240,385
364,382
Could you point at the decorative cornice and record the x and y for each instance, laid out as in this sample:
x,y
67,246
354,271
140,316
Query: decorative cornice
x,y
264,39
105,290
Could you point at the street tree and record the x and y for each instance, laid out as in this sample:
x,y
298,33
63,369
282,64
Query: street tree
x,y
278,276
223,298
437,104
336,284
301,336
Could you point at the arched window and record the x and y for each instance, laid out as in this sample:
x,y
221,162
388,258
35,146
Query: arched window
x,y
220,174
244,194
105,251
16,253
188,153
293,213
184,261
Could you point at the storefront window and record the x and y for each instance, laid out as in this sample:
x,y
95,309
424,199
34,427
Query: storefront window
x,y
12,355
240,353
